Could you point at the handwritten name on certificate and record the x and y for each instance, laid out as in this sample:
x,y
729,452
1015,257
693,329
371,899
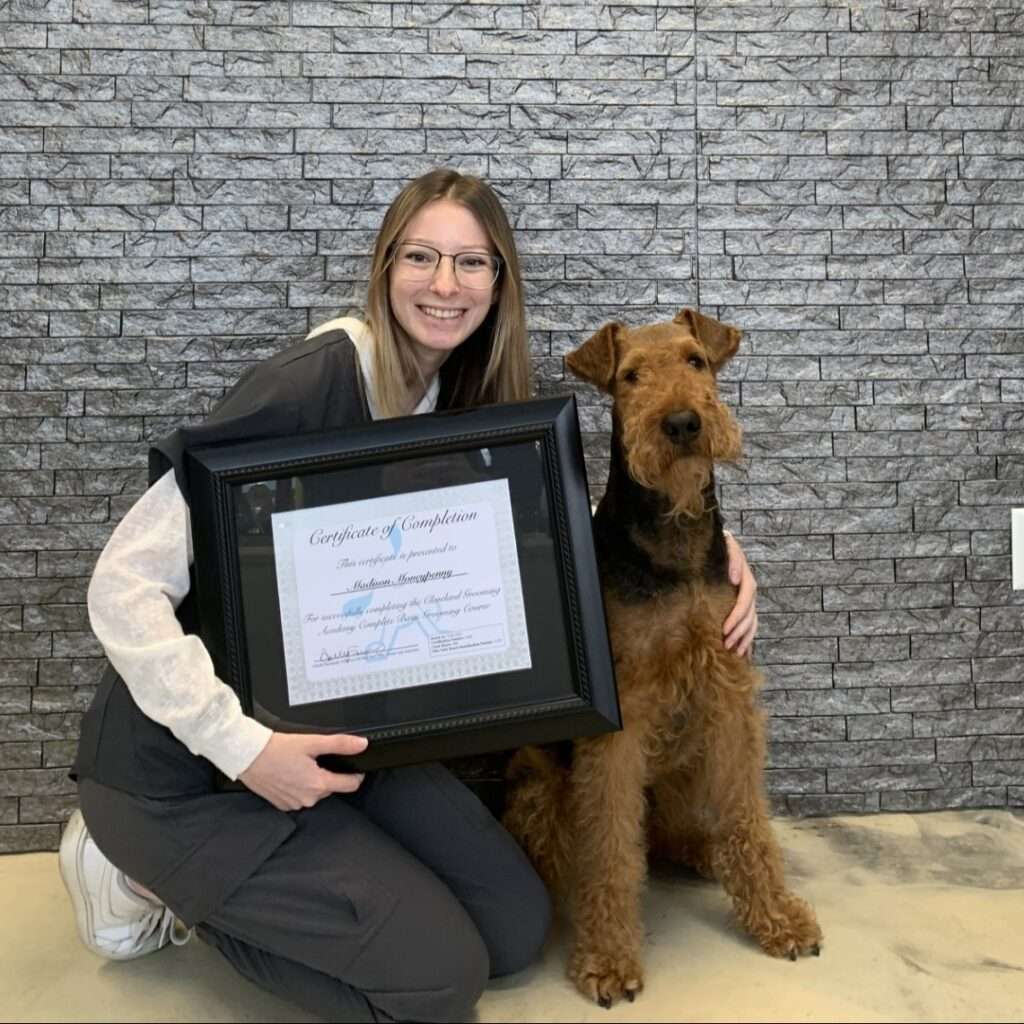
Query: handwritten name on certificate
x,y
399,591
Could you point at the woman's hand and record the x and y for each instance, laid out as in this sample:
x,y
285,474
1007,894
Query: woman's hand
x,y
741,625
286,773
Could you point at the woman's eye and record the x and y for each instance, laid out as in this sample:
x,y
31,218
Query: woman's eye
x,y
416,256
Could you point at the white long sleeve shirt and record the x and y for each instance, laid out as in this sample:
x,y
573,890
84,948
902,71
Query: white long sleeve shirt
x,y
142,576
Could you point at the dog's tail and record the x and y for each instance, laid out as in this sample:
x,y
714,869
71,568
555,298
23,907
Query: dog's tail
x,y
537,813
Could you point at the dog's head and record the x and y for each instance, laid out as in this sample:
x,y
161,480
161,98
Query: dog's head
x,y
673,427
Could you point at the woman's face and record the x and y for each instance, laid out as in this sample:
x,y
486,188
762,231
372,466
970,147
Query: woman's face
x,y
438,312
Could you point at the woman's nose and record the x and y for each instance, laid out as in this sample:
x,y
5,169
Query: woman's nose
x,y
444,281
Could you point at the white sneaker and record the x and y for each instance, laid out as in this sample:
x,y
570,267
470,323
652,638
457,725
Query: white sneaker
x,y
113,921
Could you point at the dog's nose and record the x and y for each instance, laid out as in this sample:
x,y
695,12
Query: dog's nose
x,y
681,427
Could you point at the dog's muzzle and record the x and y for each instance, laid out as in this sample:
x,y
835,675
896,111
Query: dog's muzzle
x,y
682,428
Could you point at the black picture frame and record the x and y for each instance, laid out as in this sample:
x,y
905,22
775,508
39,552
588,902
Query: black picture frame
x,y
568,689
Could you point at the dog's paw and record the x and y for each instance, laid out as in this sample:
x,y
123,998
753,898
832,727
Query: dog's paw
x,y
606,978
792,931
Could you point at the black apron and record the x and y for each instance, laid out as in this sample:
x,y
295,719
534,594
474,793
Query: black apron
x,y
313,386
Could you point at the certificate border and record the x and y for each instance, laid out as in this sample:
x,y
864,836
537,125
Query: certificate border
x,y
215,471
515,656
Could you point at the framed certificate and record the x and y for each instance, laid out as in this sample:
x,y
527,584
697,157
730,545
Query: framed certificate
x,y
428,582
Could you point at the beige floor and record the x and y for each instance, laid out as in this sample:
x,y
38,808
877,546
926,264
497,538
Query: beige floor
x,y
923,918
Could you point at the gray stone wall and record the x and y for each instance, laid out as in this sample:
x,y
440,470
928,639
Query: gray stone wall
x,y
189,186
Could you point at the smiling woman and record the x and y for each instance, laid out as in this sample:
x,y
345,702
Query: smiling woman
x,y
417,892
431,306
438,309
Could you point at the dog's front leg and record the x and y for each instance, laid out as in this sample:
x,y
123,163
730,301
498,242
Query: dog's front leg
x,y
608,780
745,855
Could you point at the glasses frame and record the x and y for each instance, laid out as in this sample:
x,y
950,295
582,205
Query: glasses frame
x,y
393,262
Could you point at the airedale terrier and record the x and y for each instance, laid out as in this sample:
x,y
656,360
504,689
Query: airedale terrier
x,y
683,779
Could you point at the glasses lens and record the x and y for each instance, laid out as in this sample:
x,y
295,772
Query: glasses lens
x,y
416,260
476,269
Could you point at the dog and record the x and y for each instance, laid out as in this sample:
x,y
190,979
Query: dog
x,y
682,780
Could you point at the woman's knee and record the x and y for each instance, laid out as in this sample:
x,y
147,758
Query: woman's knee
x,y
442,981
527,919
462,983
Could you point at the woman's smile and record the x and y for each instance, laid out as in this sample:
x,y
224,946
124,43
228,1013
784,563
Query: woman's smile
x,y
441,312
438,313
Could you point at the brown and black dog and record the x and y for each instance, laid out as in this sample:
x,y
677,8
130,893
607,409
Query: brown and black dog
x,y
683,779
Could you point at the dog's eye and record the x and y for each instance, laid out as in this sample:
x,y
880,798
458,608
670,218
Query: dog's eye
x,y
631,376
696,362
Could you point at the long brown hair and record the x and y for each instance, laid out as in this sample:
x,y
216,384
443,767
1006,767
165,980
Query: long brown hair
x,y
493,364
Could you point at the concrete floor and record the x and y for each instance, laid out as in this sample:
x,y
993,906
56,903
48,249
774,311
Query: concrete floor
x,y
923,918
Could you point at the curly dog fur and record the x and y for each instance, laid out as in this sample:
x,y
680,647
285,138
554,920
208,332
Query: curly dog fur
x,y
682,780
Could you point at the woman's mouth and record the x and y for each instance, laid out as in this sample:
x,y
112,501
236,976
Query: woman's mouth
x,y
441,312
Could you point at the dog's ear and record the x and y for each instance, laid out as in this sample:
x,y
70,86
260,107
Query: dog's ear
x,y
595,360
720,340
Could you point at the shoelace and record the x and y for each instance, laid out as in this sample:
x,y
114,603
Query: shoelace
x,y
170,927
160,921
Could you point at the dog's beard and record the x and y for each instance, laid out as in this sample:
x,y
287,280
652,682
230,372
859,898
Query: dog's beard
x,y
725,439
683,478
685,484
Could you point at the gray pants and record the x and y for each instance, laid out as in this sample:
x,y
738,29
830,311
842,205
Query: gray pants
x,y
395,903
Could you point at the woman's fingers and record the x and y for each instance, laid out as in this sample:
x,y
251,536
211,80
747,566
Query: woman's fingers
x,y
337,743
345,745
287,775
740,625
340,782
741,638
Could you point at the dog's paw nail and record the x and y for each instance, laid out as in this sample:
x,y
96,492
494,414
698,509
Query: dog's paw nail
x,y
630,995
604,1001
792,954
816,950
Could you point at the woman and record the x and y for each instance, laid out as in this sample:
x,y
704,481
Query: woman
x,y
400,897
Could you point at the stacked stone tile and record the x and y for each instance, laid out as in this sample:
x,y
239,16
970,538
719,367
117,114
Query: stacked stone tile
x,y
186,187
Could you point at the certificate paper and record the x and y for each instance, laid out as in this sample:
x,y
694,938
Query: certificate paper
x,y
399,591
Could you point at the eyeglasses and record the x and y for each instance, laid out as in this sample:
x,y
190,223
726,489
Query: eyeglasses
x,y
418,262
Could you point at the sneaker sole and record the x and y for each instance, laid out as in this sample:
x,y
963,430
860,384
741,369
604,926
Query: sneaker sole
x,y
69,860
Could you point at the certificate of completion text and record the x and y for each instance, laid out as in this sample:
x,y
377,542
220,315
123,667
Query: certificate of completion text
x,y
399,591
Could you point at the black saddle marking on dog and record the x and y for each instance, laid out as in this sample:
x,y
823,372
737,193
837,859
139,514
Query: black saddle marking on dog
x,y
628,510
